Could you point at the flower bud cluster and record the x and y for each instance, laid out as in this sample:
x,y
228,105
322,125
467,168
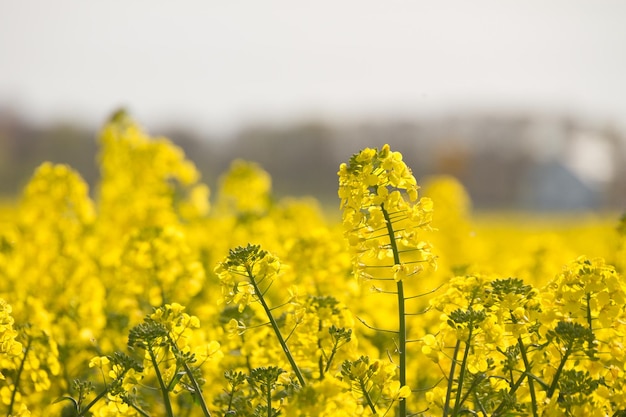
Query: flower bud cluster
x,y
378,191
241,265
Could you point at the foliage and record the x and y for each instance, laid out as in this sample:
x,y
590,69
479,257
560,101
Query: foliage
x,y
146,300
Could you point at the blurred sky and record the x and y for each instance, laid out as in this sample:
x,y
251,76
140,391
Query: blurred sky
x,y
215,65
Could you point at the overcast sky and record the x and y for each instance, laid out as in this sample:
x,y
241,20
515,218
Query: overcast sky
x,y
215,65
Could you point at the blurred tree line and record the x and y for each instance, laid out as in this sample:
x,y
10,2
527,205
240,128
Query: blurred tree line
x,y
505,161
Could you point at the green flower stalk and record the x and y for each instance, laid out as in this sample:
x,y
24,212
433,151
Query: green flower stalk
x,y
384,221
123,370
165,336
241,274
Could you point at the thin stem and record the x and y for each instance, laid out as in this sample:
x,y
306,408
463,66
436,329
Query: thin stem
x,y
426,293
332,356
197,390
101,395
139,410
93,402
19,375
164,391
590,323
248,364
589,319
446,406
524,375
480,405
366,394
472,391
419,313
230,400
557,375
528,368
323,355
269,397
279,336
459,385
401,313
374,328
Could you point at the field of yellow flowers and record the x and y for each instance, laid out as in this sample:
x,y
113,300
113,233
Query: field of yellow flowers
x,y
146,300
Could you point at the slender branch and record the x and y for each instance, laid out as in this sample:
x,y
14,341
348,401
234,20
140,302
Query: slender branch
x,y
446,406
330,358
514,387
320,362
197,389
93,402
401,312
164,391
18,375
426,293
230,400
472,391
366,394
591,340
375,328
557,375
419,313
269,396
531,382
279,336
459,385
528,369
139,410
380,291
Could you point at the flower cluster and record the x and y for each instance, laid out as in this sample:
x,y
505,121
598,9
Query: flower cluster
x,y
140,298
9,347
378,191
240,266
246,190
519,349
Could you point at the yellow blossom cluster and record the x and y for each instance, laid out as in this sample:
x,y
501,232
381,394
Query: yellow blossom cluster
x,y
141,298
378,190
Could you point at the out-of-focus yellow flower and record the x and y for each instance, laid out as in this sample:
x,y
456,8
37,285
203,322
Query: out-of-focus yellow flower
x,y
245,189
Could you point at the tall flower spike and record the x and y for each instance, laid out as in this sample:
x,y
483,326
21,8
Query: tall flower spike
x,y
241,275
377,191
384,219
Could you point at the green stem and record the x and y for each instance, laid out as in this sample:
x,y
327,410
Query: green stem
x,y
197,390
470,391
401,311
321,359
512,391
139,410
18,376
557,375
195,384
230,401
589,319
480,405
459,388
528,370
366,394
166,397
93,402
279,336
525,375
98,397
269,396
331,357
531,382
590,323
248,364
446,406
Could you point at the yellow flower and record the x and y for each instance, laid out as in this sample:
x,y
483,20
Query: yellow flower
x,y
99,362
